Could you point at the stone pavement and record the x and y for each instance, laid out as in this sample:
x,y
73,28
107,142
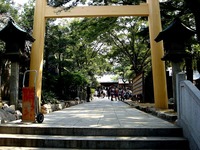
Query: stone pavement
x,y
99,121
100,113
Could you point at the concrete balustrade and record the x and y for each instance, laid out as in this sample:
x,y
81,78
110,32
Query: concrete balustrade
x,y
188,107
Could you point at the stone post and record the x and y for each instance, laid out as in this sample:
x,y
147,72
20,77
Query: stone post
x,y
14,83
179,77
175,70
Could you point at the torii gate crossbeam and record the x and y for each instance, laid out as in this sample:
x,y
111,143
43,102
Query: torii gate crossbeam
x,y
96,11
150,9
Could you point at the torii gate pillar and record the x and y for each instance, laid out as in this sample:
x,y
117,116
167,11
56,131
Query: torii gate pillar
x,y
157,52
151,9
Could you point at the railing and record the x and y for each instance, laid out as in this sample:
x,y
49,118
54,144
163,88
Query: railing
x,y
188,107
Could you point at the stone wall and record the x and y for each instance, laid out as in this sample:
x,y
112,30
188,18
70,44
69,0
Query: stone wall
x,y
8,113
48,108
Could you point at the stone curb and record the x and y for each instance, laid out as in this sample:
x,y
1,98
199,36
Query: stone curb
x,y
48,108
163,114
62,105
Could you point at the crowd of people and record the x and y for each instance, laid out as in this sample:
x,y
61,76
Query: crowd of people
x,y
114,93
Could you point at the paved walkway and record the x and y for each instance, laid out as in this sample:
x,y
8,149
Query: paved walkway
x,y
101,113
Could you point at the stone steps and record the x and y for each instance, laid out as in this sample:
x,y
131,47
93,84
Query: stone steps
x,y
42,148
93,138
67,131
92,142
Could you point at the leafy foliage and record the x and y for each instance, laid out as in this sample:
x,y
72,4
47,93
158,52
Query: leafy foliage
x,y
58,3
129,47
6,8
68,84
26,19
77,50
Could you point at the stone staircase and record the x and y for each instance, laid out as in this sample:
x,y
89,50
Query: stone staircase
x,y
92,138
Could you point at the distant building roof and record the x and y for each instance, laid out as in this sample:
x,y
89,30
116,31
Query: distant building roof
x,y
110,78
120,81
107,78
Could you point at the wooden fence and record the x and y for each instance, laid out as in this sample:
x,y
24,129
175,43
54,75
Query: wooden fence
x,y
138,87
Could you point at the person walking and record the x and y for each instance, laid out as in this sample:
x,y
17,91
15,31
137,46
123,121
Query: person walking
x,y
88,94
108,92
112,93
116,94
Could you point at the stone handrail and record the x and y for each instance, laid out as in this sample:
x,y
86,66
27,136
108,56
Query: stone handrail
x,y
188,109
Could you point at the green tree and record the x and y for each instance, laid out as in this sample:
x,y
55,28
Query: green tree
x,y
90,46
7,9
27,16
130,50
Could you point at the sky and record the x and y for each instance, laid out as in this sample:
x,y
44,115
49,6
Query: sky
x,y
21,1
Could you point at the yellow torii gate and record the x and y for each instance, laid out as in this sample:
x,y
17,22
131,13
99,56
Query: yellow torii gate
x,y
149,9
